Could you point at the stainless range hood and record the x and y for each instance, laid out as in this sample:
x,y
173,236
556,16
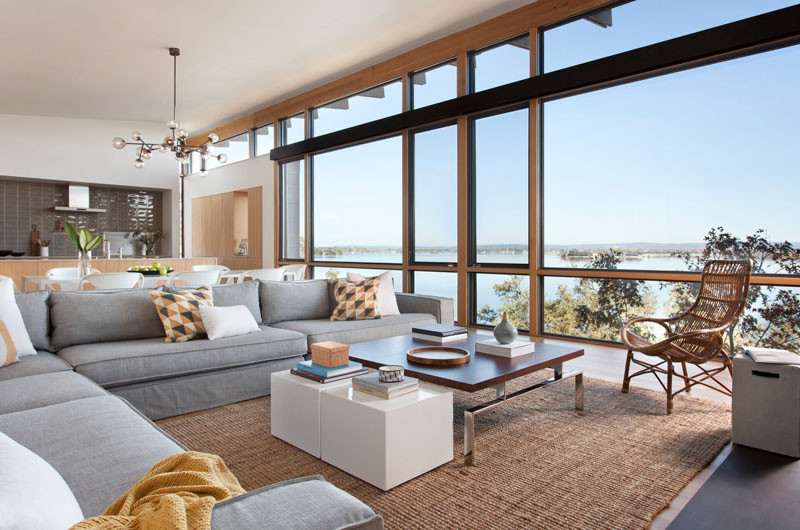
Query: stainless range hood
x,y
79,201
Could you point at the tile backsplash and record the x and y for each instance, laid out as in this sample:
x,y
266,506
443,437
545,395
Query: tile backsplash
x,y
24,203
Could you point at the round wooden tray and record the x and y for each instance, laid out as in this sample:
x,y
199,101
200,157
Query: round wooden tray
x,y
438,355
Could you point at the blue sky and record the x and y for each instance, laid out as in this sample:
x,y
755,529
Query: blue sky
x,y
660,160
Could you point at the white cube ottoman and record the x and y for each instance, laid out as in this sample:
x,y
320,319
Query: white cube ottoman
x,y
294,409
387,441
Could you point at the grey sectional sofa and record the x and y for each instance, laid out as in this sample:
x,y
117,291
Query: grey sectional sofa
x,y
94,348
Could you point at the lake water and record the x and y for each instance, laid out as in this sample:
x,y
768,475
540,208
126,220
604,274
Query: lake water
x,y
445,283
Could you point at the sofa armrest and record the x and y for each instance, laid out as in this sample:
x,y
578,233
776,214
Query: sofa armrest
x,y
308,502
438,306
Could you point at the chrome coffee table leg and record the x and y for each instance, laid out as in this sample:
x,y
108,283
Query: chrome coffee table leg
x,y
504,397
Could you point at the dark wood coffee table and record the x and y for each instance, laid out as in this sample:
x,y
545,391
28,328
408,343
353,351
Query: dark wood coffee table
x,y
483,371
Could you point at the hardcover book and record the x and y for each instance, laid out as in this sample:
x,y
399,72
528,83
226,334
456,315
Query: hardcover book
x,y
370,383
320,379
439,340
325,371
440,330
514,349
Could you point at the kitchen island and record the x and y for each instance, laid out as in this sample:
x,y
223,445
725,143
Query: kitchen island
x,y
16,268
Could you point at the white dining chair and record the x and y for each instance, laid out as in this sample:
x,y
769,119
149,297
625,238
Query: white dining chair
x,y
194,278
221,268
66,278
112,280
295,272
275,275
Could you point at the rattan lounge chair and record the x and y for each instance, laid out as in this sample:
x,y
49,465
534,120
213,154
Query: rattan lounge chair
x,y
696,336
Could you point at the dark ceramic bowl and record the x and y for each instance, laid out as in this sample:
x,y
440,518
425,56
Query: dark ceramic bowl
x,y
17,254
4,253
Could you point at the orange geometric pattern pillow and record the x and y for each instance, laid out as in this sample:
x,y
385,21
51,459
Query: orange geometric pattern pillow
x,y
356,300
180,312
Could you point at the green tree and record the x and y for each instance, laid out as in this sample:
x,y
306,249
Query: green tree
x,y
332,274
772,315
515,300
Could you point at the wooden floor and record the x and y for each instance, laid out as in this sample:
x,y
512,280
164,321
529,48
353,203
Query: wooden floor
x,y
608,363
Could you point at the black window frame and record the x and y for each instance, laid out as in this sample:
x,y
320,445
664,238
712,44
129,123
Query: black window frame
x,y
472,233
411,187
410,80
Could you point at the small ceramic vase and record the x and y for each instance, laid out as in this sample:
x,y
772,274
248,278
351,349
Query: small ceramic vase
x,y
505,332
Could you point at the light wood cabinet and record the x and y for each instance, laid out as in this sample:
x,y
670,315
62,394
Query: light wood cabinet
x,y
220,223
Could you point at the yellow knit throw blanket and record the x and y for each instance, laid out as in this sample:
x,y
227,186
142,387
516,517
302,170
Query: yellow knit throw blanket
x,y
178,493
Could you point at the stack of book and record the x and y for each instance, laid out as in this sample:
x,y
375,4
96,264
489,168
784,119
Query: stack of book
x,y
514,349
370,384
328,374
439,333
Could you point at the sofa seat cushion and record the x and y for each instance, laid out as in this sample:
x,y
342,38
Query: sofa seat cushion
x,y
100,445
41,390
110,364
308,502
352,331
41,363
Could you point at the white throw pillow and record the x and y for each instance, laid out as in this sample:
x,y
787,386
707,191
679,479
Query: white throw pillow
x,y
227,321
13,334
33,496
387,301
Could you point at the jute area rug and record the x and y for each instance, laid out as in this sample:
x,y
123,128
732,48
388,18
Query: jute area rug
x,y
540,463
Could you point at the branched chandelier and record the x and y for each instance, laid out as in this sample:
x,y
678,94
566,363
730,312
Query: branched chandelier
x,y
176,141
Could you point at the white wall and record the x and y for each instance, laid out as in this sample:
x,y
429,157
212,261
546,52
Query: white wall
x,y
80,151
249,173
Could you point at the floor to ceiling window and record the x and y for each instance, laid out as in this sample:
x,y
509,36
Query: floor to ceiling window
x,y
579,210
357,197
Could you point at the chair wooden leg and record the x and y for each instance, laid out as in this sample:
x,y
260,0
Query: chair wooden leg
x,y
669,387
686,378
626,380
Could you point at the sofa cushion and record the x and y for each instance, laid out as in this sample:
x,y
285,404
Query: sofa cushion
x,y
100,445
303,300
180,312
119,363
224,295
42,390
356,300
102,316
36,315
30,484
41,363
308,502
352,331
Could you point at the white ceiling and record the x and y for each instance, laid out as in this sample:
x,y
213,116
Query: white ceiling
x,y
108,59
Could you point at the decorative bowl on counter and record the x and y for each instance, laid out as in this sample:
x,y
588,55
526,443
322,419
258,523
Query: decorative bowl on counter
x,y
155,270
4,253
18,254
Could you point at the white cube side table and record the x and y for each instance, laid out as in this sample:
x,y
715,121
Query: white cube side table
x,y
294,409
387,441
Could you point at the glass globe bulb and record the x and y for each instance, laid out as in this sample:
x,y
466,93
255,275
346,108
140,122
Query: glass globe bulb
x,y
179,156
182,133
208,146
146,154
222,157
205,154
169,141
162,148
172,124
136,135
203,173
213,137
138,163
119,143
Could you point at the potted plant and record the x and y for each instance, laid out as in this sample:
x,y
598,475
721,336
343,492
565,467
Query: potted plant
x,y
85,241
148,239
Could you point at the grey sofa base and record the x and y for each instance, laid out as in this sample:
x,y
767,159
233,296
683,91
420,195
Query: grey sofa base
x,y
164,398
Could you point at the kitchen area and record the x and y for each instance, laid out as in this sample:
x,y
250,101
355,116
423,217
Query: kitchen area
x,y
34,213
